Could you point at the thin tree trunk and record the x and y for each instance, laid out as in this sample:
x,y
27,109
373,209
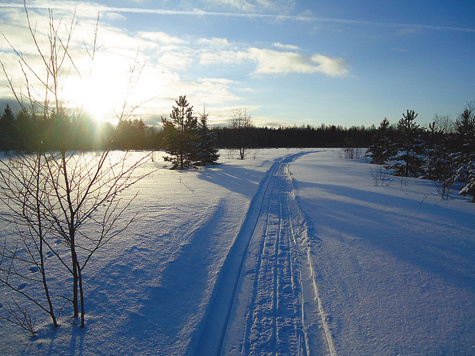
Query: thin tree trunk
x,y
75,280
45,285
41,244
81,293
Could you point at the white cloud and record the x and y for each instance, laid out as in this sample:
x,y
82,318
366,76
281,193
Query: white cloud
x,y
286,47
253,6
214,42
161,37
222,57
269,61
335,67
276,62
175,60
222,81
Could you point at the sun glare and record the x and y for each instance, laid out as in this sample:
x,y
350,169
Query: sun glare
x,y
100,95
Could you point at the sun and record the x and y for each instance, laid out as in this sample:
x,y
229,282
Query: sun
x,y
101,93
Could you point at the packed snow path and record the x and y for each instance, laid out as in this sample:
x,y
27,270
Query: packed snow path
x,y
267,287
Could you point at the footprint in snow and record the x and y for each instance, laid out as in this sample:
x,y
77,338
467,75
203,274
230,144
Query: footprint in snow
x,y
34,269
22,286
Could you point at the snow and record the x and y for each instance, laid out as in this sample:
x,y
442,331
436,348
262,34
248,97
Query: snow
x,y
289,251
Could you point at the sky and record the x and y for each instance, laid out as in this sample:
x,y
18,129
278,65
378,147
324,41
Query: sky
x,y
287,62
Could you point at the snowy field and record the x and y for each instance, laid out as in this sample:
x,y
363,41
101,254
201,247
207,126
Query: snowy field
x,y
288,252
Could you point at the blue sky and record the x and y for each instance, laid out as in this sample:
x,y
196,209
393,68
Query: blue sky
x,y
288,62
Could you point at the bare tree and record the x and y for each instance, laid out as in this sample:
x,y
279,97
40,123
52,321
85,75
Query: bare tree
x,y
51,196
23,190
242,137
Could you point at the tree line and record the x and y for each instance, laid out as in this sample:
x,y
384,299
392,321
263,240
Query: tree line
x,y
29,132
444,152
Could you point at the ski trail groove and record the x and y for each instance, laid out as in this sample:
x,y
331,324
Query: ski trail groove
x,y
213,329
311,274
266,300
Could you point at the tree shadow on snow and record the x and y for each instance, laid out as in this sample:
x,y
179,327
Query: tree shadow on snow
x,y
380,220
233,178
173,308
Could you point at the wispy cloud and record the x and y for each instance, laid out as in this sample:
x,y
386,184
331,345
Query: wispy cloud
x,y
161,37
253,6
245,14
285,46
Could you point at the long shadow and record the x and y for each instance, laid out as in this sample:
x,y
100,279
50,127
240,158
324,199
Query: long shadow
x,y
377,224
173,305
233,178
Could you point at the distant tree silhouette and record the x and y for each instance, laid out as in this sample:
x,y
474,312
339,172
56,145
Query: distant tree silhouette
x,y
8,132
130,134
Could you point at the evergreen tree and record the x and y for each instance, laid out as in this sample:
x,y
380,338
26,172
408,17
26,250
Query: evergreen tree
x,y
382,146
180,135
468,171
8,134
464,144
407,161
130,134
464,151
437,162
207,152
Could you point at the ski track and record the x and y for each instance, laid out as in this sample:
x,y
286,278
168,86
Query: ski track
x,y
266,299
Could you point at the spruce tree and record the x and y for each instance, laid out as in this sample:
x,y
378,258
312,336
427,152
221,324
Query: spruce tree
x,y
207,152
8,134
180,135
469,177
464,144
437,162
382,145
464,151
407,161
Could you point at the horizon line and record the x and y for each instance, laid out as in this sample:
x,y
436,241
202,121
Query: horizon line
x,y
197,12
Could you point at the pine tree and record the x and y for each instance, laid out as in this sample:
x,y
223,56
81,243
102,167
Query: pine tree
x,y
464,144
180,135
382,145
437,162
464,156
207,152
8,134
407,161
130,134
469,172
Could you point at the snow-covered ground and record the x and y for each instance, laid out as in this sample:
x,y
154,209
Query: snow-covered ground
x,y
290,252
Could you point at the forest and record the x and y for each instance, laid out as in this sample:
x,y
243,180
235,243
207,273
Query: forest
x,y
24,131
